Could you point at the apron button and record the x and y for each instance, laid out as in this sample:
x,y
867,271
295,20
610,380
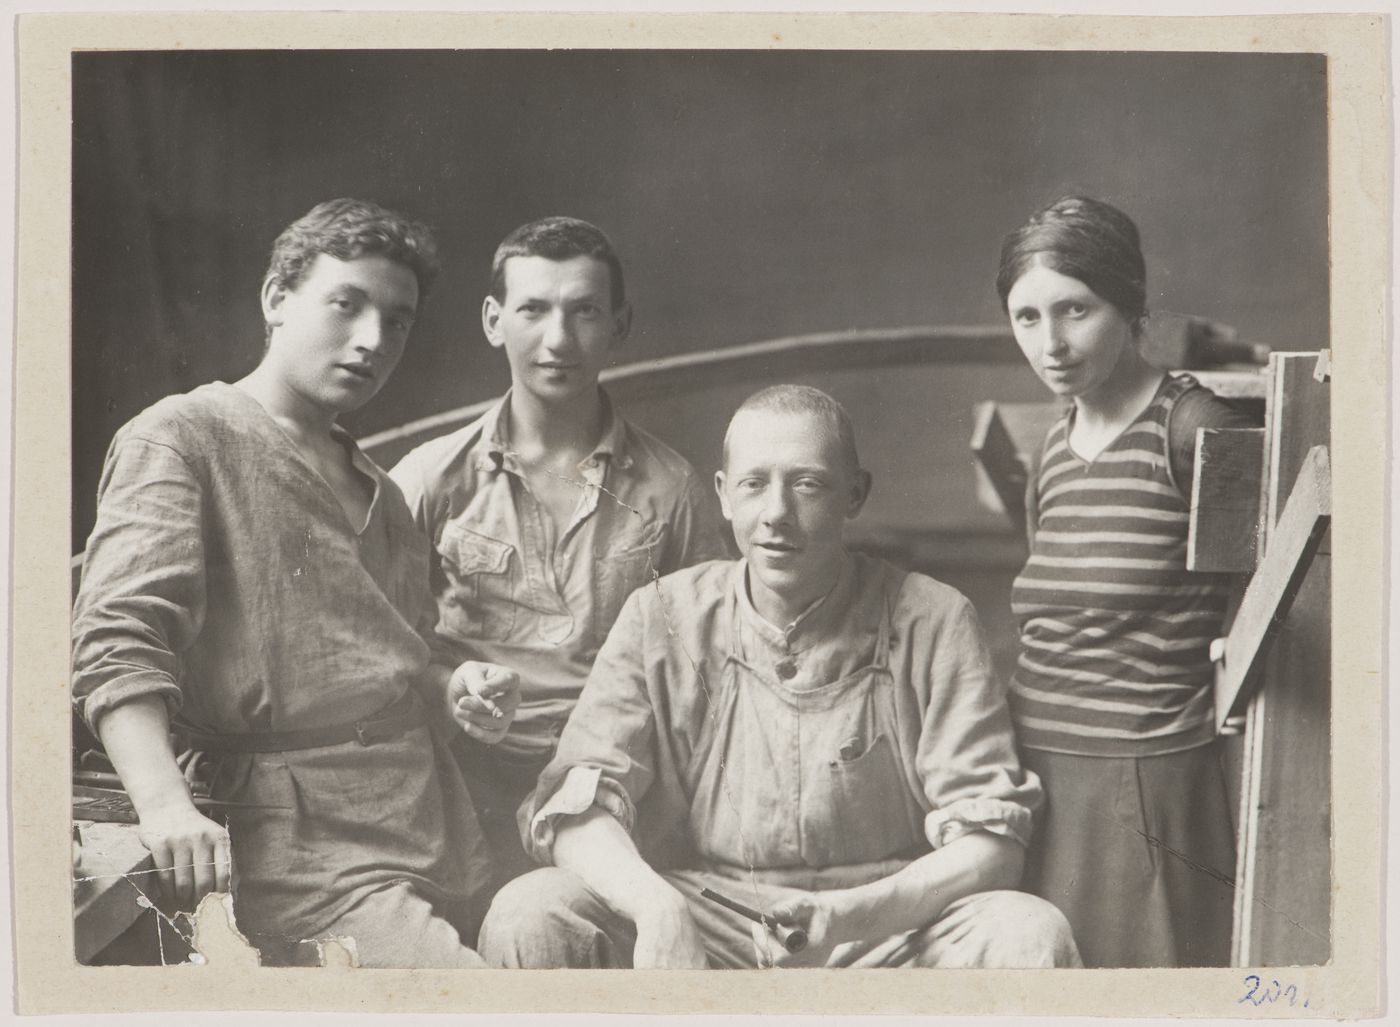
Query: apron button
x,y
787,670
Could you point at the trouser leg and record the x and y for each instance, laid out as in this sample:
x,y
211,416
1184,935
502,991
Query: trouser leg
x,y
1002,929
498,784
397,927
393,927
989,930
549,919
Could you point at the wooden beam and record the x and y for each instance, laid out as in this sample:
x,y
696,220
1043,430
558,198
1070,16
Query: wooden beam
x,y
766,362
1246,389
1004,438
1223,535
104,898
1292,543
1003,464
1180,340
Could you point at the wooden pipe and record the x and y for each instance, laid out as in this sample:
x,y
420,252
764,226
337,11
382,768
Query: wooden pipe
x,y
794,939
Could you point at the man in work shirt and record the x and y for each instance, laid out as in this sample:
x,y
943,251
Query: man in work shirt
x,y
547,512
811,732
255,578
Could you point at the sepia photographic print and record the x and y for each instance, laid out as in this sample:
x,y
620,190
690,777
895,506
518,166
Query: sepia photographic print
x,y
834,493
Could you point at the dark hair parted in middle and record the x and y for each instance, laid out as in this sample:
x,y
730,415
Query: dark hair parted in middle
x,y
1085,239
558,238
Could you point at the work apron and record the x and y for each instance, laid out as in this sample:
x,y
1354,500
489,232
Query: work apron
x,y
810,784
796,790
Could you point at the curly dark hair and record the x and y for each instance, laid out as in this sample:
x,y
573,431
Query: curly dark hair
x,y
346,229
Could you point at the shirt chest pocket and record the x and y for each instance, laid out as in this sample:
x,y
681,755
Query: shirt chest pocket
x,y
628,564
858,805
869,812
479,600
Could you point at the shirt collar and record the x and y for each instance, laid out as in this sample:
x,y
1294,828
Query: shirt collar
x,y
825,616
613,445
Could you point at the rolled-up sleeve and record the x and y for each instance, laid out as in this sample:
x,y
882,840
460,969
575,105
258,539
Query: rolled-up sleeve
x,y
605,755
967,759
142,598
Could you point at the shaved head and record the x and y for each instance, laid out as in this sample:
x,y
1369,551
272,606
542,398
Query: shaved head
x,y
802,399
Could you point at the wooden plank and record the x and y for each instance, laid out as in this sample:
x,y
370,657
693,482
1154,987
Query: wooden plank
x,y
1000,461
1004,437
1271,591
104,901
1223,534
1283,873
1244,389
1291,879
1300,410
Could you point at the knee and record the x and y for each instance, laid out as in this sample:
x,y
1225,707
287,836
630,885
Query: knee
x,y
529,912
1020,930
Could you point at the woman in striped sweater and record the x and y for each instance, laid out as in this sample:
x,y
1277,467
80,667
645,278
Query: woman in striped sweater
x,y
1112,690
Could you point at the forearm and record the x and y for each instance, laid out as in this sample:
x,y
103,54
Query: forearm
x,y
136,735
917,895
598,849
191,851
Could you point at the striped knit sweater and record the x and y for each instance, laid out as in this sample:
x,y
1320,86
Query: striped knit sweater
x,y
1115,632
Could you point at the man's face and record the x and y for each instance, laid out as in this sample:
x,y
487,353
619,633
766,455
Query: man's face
x,y
556,324
787,491
340,332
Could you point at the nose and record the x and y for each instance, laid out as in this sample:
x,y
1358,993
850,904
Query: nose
x,y
558,333
369,333
1055,342
777,505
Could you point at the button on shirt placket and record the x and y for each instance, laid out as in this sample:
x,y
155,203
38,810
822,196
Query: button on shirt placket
x,y
786,669
537,559
590,473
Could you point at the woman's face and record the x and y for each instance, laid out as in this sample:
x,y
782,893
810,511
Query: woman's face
x,y
1073,337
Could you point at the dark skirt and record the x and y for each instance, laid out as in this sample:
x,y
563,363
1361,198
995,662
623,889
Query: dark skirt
x,y
1139,854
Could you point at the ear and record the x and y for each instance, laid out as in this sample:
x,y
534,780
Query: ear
x,y
273,296
622,324
723,496
860,492
491,321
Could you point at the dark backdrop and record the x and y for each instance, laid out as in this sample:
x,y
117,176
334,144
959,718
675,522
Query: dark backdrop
x,y
752,194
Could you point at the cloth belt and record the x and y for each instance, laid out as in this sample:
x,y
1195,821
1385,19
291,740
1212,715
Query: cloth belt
x,y
402,714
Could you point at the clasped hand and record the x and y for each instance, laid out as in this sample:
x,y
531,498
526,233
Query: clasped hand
x,y
482,698
813,913
190,851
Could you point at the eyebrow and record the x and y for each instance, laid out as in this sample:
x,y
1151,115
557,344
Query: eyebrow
x,y
347,289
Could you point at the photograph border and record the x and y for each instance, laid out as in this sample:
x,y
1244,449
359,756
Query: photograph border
x,y
1359,168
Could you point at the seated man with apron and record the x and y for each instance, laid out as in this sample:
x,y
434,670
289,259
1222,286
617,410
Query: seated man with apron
x,y
255,579
808,732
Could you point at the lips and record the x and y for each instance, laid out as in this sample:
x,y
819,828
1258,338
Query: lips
x,y
554,365
777,546
364,371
